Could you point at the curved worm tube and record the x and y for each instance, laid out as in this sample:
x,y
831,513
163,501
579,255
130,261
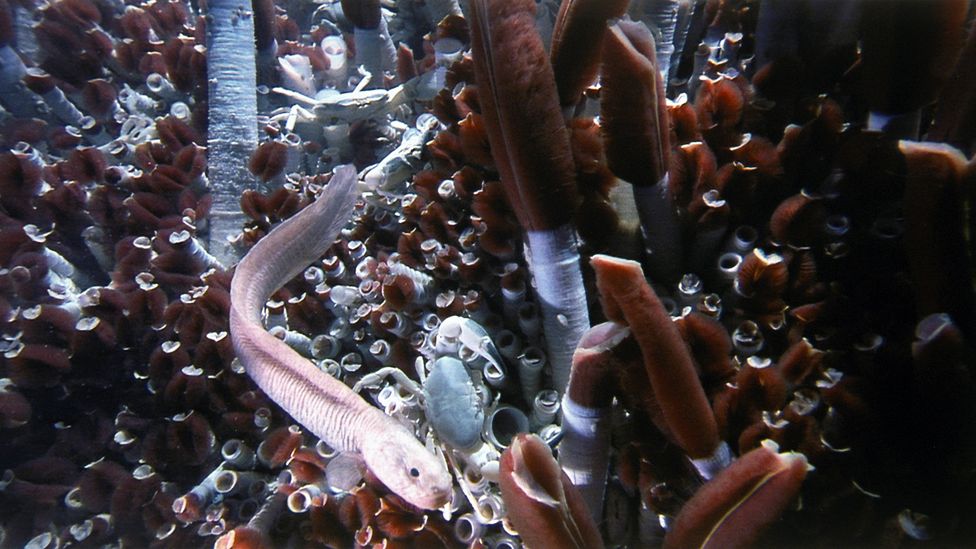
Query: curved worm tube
x,y
741,502
627,297
542,504
584,452
325,406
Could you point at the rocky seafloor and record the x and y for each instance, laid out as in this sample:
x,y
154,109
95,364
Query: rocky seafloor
x,y
815,159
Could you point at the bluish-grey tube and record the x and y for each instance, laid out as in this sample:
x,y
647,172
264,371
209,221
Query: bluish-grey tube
x,y
661,16
14,95
233,125
62,108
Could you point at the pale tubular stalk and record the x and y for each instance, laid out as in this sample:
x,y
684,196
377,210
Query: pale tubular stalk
x,y
554,264
661,230
584,452
661,16
530,367
375,52
233,123
686,9
14,95
63,109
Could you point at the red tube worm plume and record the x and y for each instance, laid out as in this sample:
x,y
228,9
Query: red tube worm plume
x,y
597,220
633,108
528,137
758,387
97,484
577,36
798,362
530,145
934,232
99,96
268,160
761,282
692,172
719,104
20,181
798,221
736,507
711,347
628,298
543,506
474,140
684,121
908,50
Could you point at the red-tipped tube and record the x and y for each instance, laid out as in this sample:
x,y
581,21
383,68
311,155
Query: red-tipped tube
x,y
584,452
542,504
628,298
736,507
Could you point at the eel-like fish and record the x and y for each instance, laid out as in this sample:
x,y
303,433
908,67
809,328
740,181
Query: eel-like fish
x,y
324,405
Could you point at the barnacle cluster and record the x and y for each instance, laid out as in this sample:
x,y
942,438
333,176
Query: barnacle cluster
x,y
819,277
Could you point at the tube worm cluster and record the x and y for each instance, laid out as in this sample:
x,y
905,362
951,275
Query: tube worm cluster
x,y
799,371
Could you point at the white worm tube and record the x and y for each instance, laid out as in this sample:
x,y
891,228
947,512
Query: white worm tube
x,y
531,363
467,529
584,453
161,86
61,107
545,405
233,127
554,264
14,95
375,51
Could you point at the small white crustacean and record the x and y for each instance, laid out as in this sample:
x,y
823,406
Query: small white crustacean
x,y
474,336
398,166
451,402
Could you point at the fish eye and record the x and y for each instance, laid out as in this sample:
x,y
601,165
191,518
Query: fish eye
x,y
414,472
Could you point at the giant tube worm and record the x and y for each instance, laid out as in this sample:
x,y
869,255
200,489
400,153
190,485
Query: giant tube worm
x,y
233,125
934,237
627,298
584,452
324,405
576,45
542,504
530,145
734,508
634,115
